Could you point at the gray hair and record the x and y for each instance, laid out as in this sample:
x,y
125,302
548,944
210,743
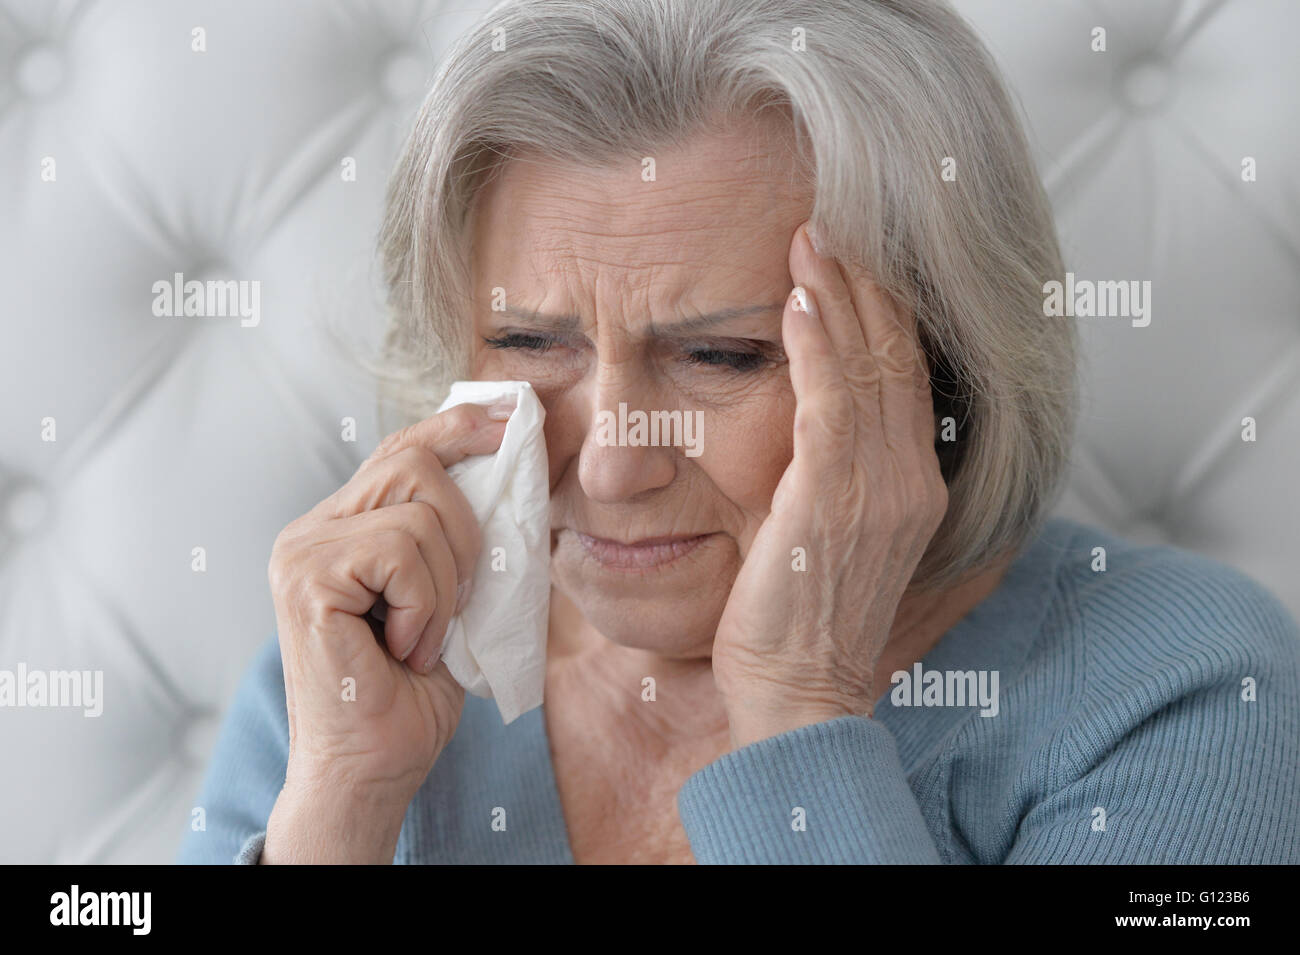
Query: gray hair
x,y
882,94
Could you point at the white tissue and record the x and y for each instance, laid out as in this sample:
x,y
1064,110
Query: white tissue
x,y
496,647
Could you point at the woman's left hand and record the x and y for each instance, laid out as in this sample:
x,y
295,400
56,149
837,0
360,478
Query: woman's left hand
x,y
814,602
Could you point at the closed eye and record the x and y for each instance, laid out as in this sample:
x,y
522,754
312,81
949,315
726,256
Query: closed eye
x,y
736,360
734,354
523,340
754,356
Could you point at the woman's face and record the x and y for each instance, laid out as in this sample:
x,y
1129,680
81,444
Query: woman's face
x,y
606,290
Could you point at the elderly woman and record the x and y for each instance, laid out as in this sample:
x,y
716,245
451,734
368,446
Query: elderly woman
x,y
819,225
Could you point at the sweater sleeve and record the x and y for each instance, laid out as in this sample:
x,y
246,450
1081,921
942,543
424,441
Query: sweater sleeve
x,y
1174,738
246,773
1187,752
832,792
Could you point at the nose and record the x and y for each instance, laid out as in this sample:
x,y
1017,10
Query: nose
x,y
617,461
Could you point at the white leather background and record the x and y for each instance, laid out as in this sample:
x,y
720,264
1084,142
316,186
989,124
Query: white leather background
x,y
176,433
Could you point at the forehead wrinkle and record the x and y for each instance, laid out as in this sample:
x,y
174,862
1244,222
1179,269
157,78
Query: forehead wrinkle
x,y
563,199
558,232
642,257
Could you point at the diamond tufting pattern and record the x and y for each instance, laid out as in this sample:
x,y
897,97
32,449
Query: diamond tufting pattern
x,y
171,434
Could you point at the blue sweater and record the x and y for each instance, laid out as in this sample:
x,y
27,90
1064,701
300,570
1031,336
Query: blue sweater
x,y
1147,713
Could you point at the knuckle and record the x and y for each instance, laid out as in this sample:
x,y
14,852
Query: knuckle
x,y
284,558
406,550
840,416
863,374
416,459
397,479
832,416
402,473
424,520
294,529
398,466
276,570
303,595
315,611
398,439
457,423
896,355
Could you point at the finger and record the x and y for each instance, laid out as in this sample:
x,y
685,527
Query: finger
x,y
895,352
453,434
824,278
387,562
443,570
414,474
415,524
923,402
825,415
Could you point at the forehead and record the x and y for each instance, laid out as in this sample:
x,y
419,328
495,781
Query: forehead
x,y
724,203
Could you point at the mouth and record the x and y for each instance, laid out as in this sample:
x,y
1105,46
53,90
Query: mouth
x,y
641,554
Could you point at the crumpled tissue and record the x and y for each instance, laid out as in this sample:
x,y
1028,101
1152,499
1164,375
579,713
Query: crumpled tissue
x,y
496,647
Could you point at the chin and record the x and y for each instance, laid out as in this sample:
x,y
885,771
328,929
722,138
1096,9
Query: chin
x,y
669,607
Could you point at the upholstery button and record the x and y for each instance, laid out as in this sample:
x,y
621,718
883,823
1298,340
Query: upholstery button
x,y
404,75
25,509
40,71
213,271
1147,83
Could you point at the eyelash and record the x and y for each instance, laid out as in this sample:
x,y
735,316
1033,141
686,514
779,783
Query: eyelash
x,y
742,361
738,361
537,343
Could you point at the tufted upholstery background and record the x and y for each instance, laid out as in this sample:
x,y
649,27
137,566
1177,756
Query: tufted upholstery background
x,y
171,434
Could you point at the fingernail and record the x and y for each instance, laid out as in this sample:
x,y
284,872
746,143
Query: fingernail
x,y
813,239
462,596
500,409
803,301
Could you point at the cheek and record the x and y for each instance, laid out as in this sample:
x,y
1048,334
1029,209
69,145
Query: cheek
x,y
491,364
564,434
550,375
744,459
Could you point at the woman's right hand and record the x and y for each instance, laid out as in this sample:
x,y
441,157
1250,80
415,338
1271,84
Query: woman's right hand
x,y
370,711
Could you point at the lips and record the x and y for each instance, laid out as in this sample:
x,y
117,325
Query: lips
x,y
641,554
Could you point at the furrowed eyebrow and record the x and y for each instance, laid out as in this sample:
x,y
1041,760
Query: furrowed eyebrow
x,y
698,323
569,324
560,324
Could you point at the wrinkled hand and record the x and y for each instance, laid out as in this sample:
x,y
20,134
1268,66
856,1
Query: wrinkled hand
x,y
399,535
861,497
